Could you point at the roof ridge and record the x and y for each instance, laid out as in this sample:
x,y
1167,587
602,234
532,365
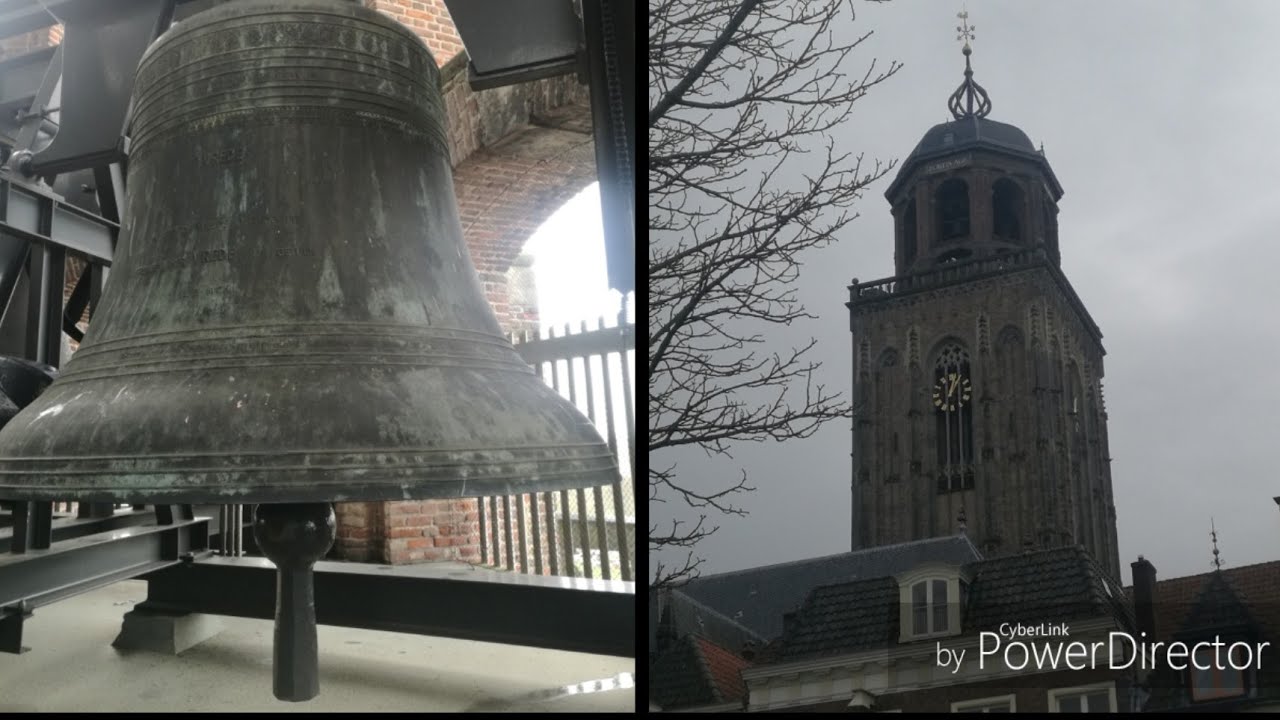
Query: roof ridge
x,y
1230,570
1061,549
876,548
705,607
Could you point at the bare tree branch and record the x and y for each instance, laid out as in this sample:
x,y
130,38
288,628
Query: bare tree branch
x,y
674,94
743,94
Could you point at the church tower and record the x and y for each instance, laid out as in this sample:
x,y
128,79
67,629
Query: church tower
x,y
977,369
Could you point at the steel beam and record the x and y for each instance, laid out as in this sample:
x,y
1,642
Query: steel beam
x,y
103,43
69,528
37,217
592,616
40,577
516,41
609,28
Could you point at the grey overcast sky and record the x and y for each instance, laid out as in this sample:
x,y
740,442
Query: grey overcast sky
x,y
1161,119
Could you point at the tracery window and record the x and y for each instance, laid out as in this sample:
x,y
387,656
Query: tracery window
x,y
953,403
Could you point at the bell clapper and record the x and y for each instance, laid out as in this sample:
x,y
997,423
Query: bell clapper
x,y
294,536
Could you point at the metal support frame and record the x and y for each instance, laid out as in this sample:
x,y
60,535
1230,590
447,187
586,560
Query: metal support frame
x,y
591,616
609,29
36,215
39,577
67,529
516,41
103,42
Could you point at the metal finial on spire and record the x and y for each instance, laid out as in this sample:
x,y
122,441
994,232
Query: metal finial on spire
x,y
1213,533
960,520
965,30
969,100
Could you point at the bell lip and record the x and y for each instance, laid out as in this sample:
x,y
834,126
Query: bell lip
x,y
305,490
201,489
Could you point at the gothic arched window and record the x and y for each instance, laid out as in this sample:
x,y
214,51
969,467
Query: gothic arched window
x,y
1006,208
952,201
953,403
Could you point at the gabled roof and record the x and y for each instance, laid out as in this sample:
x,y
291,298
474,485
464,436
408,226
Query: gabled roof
x,y
757,598
694,672
1057,585
688,616
1216,608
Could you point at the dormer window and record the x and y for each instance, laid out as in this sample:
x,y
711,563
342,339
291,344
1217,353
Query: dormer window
x,y
929,607
932,597
1213,682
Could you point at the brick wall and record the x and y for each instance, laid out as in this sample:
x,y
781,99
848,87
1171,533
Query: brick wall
x,y
429,19
34,40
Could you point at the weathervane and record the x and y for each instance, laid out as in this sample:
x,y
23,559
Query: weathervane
x,y
969,100
965,30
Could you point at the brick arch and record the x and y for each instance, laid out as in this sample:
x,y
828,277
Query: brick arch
x,y
518,154
506,191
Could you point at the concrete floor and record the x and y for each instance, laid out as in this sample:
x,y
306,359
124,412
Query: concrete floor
x,y
73,667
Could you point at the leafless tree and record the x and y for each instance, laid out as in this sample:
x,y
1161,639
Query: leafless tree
x,y
738,91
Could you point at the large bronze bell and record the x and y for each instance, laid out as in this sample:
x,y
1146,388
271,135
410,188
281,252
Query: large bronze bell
x,y
292,315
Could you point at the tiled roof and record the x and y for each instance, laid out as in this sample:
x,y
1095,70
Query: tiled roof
x,y
759,597
725,669
1256,586
694,672
1052,585
848,617
1056,585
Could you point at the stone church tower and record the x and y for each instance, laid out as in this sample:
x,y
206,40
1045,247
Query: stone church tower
x,y
977,370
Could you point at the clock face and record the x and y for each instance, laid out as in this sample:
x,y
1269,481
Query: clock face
x,y
952,392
